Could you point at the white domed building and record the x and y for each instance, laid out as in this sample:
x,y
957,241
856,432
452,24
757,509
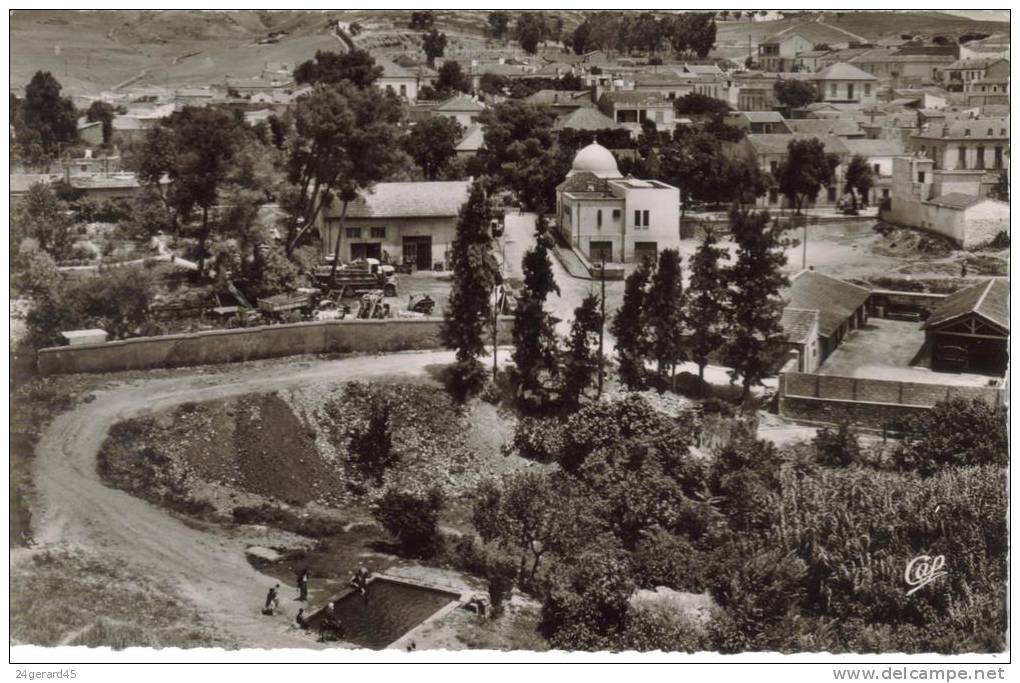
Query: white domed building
x,y
605,216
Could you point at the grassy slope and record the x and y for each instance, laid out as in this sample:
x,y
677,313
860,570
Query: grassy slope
x,y
99,49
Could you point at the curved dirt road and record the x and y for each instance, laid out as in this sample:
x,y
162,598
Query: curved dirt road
x,y
207,567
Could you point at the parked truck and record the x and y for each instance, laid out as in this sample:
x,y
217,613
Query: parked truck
x,y
358,277
299,303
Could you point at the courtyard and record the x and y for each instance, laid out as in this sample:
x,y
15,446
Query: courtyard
x,y
891,350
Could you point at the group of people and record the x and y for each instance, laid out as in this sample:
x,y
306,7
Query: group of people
x,y
330,626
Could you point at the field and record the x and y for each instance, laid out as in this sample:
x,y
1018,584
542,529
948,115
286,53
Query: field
x,y
92,51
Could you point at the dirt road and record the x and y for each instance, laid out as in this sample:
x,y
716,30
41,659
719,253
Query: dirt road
x,y
209,568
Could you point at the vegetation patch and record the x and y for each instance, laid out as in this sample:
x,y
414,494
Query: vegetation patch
x,y
74,598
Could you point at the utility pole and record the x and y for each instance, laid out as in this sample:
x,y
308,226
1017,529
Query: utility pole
x,y
495,329
602,328
803,261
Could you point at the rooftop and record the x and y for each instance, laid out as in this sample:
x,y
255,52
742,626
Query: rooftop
x,y
841,126
876,148
586,118
411,200
990,300
777,143
957,200
834,299
461,103
842,71
798,324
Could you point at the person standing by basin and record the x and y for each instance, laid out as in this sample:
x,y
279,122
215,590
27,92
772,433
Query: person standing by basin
x,y
302,582
272,600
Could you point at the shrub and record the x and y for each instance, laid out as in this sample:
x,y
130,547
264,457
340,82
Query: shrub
x,y
499,573
371,446
759,587
837,448
413,519
955,433
536,438
664,559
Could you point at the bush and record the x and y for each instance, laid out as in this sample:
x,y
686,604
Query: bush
x,y
500,572
837,448
955,433
536,438
371,446
663,559
759,587
412,519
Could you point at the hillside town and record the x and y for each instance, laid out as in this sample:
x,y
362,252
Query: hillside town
x,y
513,330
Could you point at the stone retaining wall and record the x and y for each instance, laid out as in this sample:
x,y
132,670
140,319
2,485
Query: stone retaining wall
x,y
270,341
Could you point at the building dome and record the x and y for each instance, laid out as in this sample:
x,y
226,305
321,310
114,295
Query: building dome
x,y
595,159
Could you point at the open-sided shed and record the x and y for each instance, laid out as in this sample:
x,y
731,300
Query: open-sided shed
x,y
969,330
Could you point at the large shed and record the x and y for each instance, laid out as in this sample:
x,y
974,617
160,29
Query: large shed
x,y
841,307
969,330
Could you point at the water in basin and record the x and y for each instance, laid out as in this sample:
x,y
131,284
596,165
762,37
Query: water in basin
x,y
390,610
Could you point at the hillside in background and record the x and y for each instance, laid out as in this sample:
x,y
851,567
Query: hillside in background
x,y
91,51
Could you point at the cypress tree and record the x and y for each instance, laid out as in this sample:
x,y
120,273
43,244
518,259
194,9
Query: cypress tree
x,y
475,273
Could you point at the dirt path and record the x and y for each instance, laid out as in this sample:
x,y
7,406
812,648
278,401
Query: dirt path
x,y
209,568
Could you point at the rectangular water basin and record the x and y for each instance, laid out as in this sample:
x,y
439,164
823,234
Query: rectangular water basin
x,y
388,610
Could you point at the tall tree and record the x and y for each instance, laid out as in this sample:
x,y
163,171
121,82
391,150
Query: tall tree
x,y
794,94
157,160
580,359
802,175
499,22
535,354
706,312
356,66
42,216
475,274
631,340
43,110
452,79
805,171
102,111
206,140
431,144
663,313
345,139
530,30
520,151
694,163
755,280
859,179
434,44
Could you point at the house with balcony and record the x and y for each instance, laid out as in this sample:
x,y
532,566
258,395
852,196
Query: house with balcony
x,y
846,84
958,76
631,109
779,53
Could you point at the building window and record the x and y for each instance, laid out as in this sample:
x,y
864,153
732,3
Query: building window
x,y
920,177
773,196
830,193
867,89
962,158
998,157
885,193
833,89
966,133
647,222
980,158
379,233
616,214
403,91
849,91
990,132
353,233
878,169
598,218
637,219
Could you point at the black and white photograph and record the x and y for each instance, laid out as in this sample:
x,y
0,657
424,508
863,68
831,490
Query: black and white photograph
x,y
433,335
